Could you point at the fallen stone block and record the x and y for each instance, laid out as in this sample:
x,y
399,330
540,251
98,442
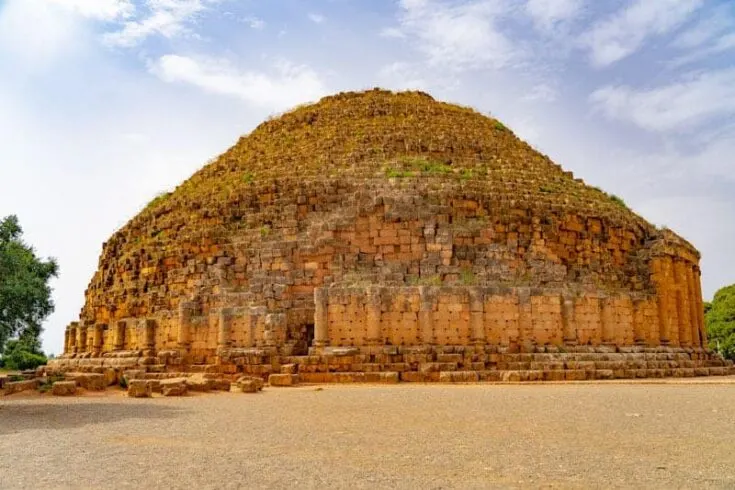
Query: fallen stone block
x,y
254,379
174,387
248,386
19,386
88,381
283,379
64,388
140,388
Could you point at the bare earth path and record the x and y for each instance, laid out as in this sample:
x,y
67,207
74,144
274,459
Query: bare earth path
x,y
405,436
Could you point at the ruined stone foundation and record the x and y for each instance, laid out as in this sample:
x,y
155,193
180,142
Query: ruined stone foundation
x,y
386,237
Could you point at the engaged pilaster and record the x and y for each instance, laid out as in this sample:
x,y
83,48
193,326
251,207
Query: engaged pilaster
x,y
186,311
477,312
98,339
321,317
567,321
224,334
426,315
119,337
607,321
373,316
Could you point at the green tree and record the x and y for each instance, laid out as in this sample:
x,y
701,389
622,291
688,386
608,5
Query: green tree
x,y
22,353
25,294
720,320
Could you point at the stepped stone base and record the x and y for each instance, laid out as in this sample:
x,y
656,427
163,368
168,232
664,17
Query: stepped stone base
x,y
446,364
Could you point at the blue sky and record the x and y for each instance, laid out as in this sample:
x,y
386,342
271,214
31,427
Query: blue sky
x,y
105,103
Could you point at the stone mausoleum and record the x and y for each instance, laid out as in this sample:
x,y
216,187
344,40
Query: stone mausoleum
x,y
383,236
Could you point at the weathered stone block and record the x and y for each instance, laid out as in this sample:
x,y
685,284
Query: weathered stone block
x,y
140,388
64,388
13,387
283,379
459,377
174,387
88,381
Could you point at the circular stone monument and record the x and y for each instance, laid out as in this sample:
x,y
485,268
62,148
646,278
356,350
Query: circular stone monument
x,y
378,233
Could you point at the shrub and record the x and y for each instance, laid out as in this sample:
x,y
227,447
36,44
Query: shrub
x,y
21,355
720,321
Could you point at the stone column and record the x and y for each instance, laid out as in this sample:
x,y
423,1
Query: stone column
x,y
477,313
569,329
639,330
82,338
426,315
224,333
525,319
73,328
97,340
186,310
119,337
66,340
700,307
663,318
693,305
148,327
682,303
607,321
321,317
374,303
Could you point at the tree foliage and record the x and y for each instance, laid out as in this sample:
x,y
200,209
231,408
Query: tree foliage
x,y
720,320
25,294
23,353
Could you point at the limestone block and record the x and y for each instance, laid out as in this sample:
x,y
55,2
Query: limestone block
x,y
19,386
459,377
64,388
174,387
283,379
88,381
248,386
289,369
197,382
111,377
258,381
140,388
132,374
382,377
604,374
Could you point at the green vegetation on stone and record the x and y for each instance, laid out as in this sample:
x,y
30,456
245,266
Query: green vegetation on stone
x,y
720,320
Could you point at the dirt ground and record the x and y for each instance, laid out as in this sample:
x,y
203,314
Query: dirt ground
x,y
598,435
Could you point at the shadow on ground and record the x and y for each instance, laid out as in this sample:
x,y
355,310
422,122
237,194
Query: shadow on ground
x,y
52,415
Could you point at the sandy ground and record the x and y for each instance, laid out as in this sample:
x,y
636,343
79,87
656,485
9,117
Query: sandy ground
x,y
679,435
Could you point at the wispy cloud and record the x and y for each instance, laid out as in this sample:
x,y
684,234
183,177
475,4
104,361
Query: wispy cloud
x,y
547,14
679,106
254,22
288,85
459,35
167,18
317,18
106,10
625,32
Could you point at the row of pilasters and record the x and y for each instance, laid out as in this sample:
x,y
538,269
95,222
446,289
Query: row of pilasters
x,y
80,338
679,303
620,320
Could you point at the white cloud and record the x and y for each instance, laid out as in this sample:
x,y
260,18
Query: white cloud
x,y
547,13
402,76
543,92
392,32
290,85
317,18
625,32
106,10
718,22
168,18
678,106
459,35
253,22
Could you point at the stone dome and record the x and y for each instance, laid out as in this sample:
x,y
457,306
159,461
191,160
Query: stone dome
x,y
388,219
